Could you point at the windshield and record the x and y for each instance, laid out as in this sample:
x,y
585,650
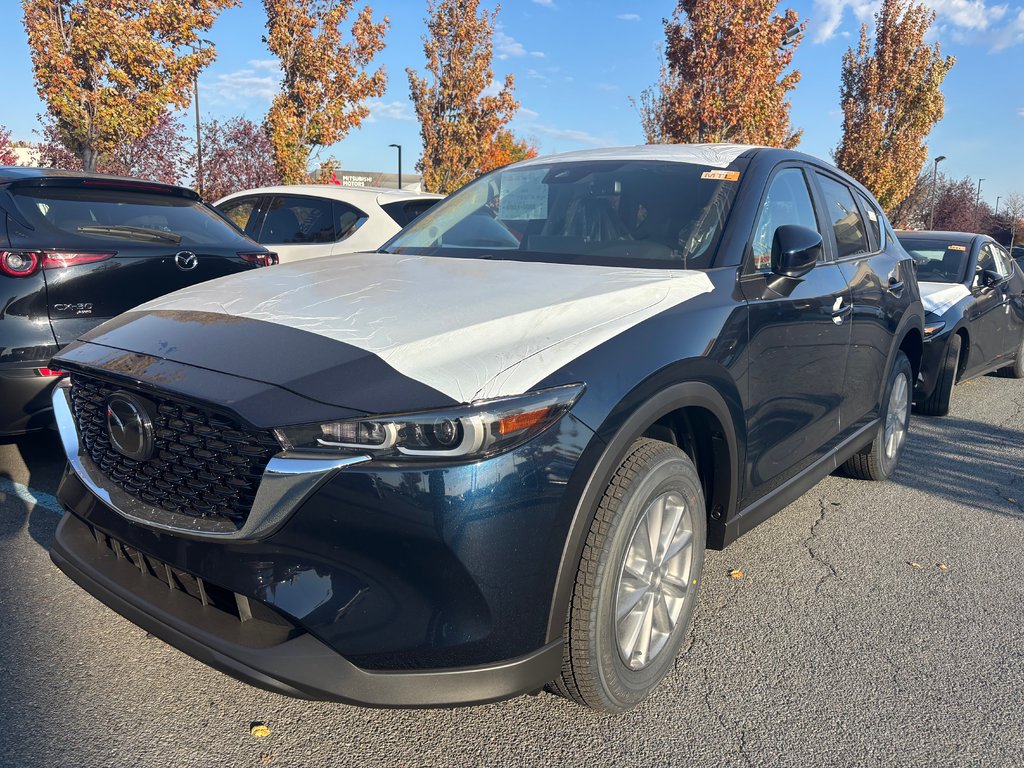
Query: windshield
x,y
100,215
937,261
621,213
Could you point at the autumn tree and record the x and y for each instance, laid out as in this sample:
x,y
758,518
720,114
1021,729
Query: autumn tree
x,y
161,154
723,77
108,69
325,80
956,208
459,122
236,155
1013,211
7,153
913,211
505,148
891,98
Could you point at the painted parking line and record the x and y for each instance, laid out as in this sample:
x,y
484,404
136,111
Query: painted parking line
x,y
30,496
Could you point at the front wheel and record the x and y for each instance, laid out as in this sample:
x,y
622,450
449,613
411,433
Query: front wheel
x,y
1016,371
878,460
637,583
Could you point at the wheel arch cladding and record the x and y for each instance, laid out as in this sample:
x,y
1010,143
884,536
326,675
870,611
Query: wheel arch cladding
x,y
686,410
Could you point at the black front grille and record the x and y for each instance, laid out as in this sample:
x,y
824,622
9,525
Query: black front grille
x,y
204,464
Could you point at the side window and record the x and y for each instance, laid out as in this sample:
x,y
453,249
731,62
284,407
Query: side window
x,y
346,219
846,220
986,259
298,220
1003,264
788,202
875,232
241,212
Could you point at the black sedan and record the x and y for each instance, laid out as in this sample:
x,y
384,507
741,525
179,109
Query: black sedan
x,y
77,249
974,312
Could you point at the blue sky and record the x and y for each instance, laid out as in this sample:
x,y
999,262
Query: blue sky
x,y
577,62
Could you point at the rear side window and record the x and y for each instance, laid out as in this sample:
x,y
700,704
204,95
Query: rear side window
x,y
87,216
788,202
293,220
406,211
875,232
346,219
1003,264
846,220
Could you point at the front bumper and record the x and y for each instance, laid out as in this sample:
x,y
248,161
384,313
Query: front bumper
x,y
401,585
300,666
24,399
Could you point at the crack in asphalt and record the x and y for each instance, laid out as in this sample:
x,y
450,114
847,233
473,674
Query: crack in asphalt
x,y
814,553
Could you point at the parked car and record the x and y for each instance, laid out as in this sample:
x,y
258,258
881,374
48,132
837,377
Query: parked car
x,y
77,249
974,312
309,220
489,457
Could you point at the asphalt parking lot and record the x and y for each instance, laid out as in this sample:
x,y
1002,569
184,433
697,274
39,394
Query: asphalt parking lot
x,y
833,649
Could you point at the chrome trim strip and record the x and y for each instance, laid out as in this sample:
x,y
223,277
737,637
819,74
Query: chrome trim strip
x,y
289,479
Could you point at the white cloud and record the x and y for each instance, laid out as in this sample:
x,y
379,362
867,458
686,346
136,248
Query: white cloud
x,y
507,47
571,134
1011,33
545,3
1021,111
961,15
388,110
628,17
265,65
493,89
529,114
242,85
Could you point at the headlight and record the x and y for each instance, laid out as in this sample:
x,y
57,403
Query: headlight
x,y
480,429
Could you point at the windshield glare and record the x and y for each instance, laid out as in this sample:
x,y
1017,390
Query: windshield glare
x,y
937,262
623,213
97,215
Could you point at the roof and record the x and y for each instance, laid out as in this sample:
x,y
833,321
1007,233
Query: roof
x,y
933,234
337,192
716,155
9,173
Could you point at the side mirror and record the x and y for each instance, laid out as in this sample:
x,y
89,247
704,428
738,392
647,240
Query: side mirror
x,y
989,277
795,250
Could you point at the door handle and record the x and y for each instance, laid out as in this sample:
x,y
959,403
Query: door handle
x,y
841,312
895,287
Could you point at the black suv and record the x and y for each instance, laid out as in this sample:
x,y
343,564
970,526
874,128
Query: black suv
x,y
489,457
77,249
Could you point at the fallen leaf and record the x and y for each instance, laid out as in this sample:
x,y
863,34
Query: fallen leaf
x,y
736,573
942,566
267,757
915,565
1011,499
259,730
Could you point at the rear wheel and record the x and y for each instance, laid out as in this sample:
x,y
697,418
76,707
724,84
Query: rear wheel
x,y
637,583
937,403
878,461
1016,371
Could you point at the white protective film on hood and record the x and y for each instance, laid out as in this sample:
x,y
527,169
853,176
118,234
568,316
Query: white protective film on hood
x,y
470,328
714,155
938,297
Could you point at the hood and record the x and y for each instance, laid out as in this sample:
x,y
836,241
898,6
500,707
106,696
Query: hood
x,y
358,330
940,297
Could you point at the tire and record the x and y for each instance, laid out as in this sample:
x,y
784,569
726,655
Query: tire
x,y
1016,371
937,403
878,460
604,666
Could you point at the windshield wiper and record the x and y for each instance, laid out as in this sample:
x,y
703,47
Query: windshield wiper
x,y
133,233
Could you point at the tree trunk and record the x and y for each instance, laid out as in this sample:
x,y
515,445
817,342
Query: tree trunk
x,y
89,159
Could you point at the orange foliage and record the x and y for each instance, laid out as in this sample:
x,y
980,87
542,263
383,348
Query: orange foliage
x,y
891,99
325,82
109,69
722,79
459,124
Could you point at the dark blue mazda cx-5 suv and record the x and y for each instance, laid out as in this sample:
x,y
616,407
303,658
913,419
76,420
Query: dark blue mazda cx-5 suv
x,y
489,457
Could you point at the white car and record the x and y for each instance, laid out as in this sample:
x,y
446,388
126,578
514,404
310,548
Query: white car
x,y
303,221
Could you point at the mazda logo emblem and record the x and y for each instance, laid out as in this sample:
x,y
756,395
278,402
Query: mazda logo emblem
x,y
129,426
186,260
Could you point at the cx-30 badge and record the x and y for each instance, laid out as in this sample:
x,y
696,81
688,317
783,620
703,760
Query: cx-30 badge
x,y
186,261
129,426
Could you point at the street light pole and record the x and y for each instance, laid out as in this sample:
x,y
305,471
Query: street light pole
x,y
996,212
977,207
199,140
399,148
935,178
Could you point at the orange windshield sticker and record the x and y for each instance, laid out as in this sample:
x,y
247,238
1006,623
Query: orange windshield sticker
x,y
721,175
957,248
